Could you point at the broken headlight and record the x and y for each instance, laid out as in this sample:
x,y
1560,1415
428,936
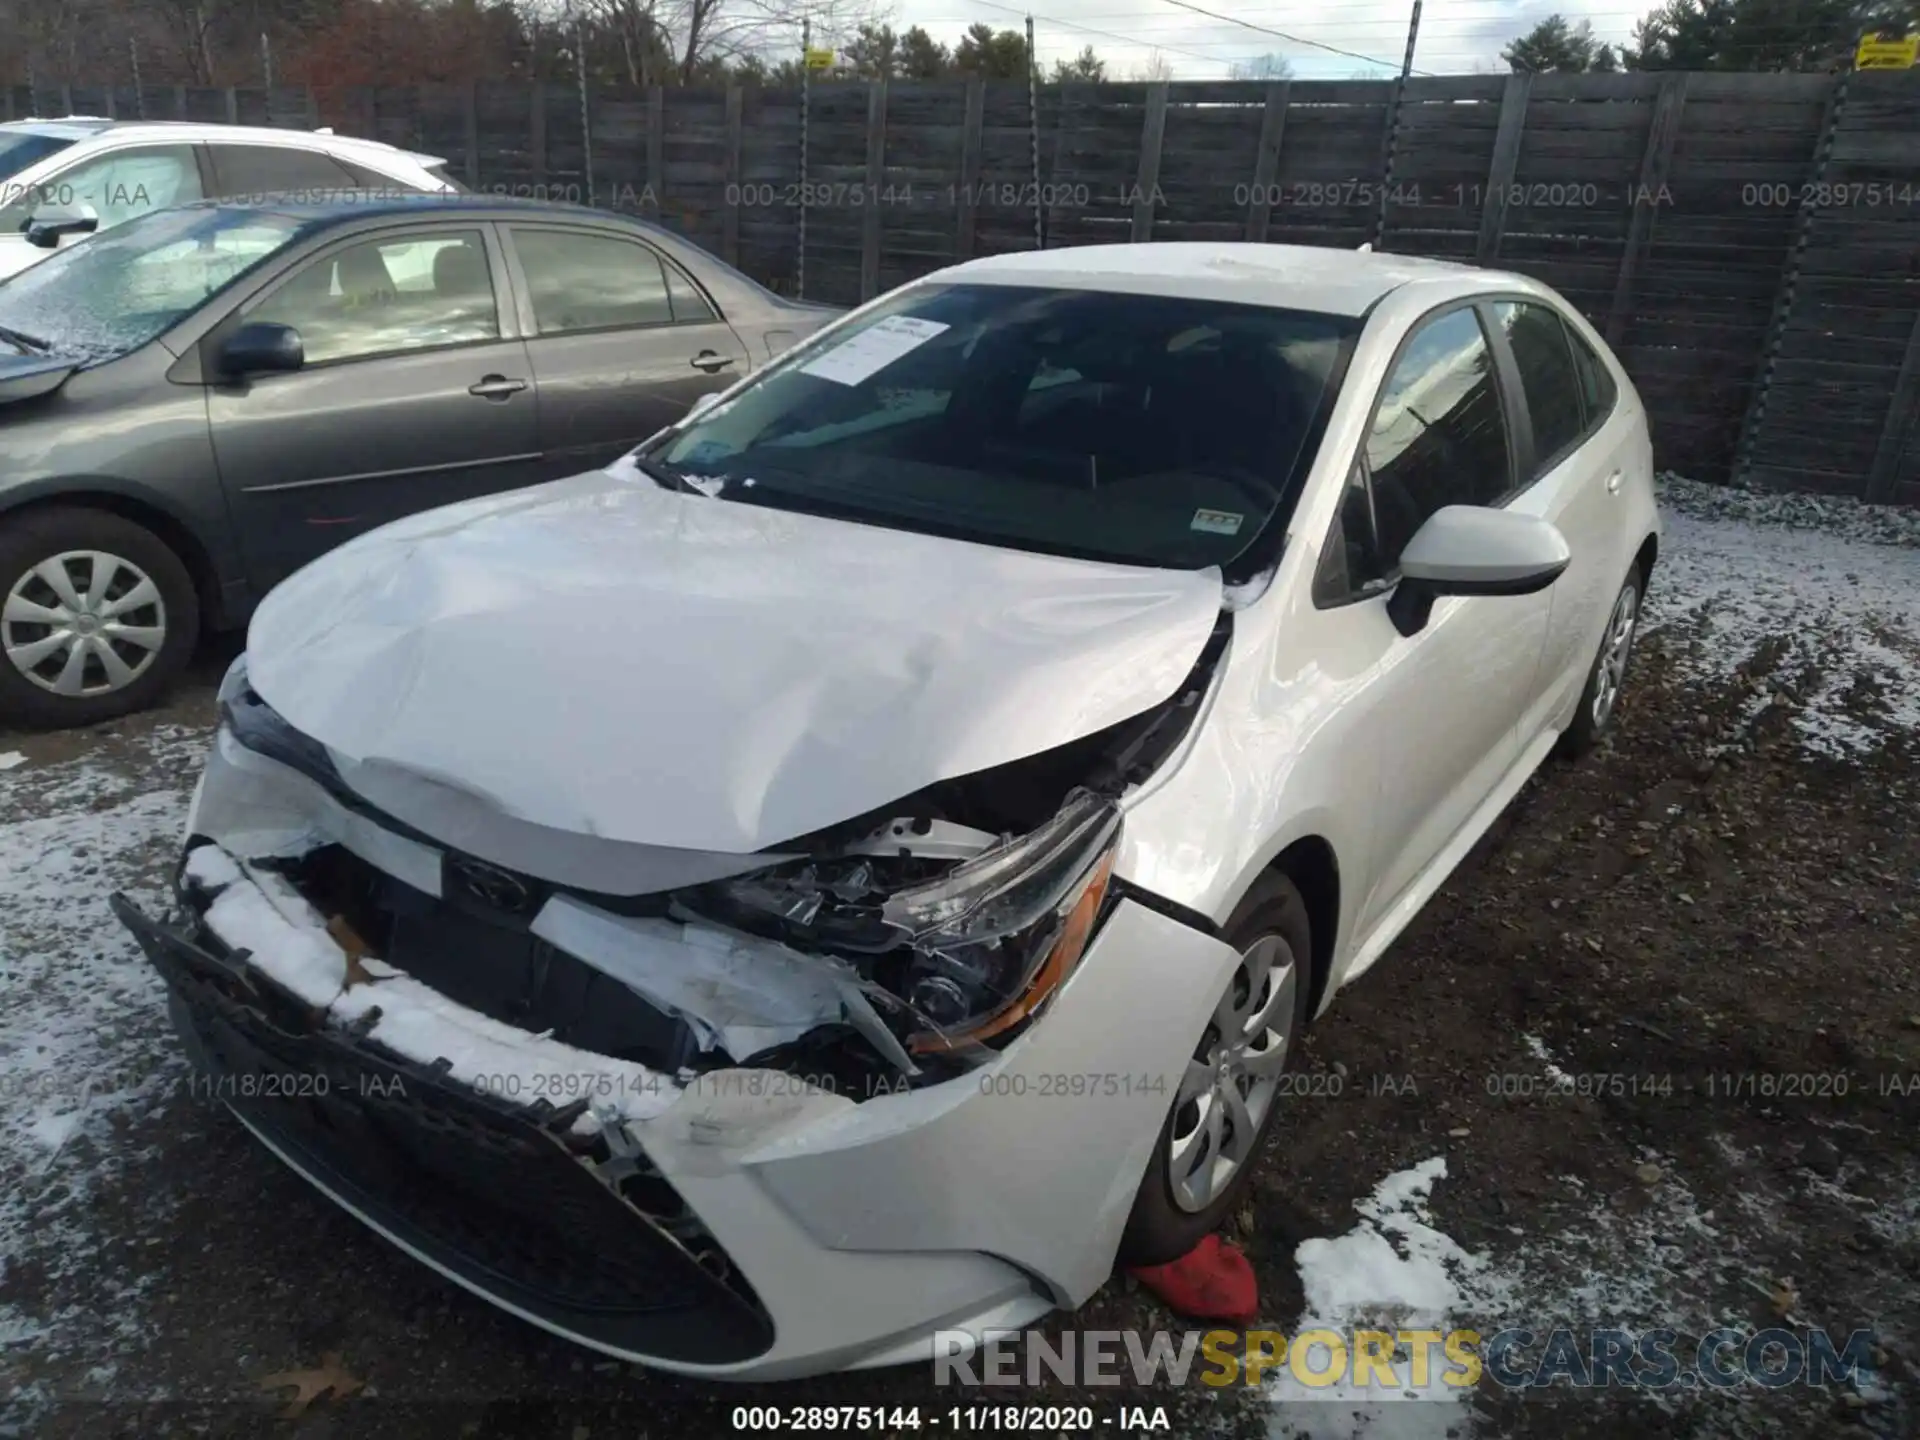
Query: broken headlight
x,y
994,937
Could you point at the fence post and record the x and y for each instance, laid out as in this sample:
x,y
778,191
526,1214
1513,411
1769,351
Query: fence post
x,y
1033,140
1266,161
1153,129
537,138
66,99
586,109
1901,406
9,89
1060,194
971,133
1506,160
730,216
876,178
1661,134
180,102
1789,280
657,148
313,107
233,105
472,119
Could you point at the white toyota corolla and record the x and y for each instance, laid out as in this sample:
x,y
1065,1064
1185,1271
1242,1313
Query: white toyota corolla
x,y
863,862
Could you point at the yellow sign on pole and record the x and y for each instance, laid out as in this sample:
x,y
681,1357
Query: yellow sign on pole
x,y
819,59
1887,52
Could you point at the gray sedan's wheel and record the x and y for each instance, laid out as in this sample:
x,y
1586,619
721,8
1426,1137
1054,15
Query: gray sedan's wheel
x,y
1229,1096
97,615
1600,700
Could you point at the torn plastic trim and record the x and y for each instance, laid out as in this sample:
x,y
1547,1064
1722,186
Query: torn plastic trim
x,y
268,926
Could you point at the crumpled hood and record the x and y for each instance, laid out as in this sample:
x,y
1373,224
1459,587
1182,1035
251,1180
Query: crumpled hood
x,y
606,657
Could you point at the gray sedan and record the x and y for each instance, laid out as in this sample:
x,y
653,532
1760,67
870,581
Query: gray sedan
x,y
198,402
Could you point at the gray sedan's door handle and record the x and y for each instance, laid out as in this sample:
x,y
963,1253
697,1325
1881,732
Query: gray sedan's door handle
x,y
496,387
711,360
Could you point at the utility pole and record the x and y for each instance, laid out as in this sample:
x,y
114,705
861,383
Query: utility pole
x,y
1393,131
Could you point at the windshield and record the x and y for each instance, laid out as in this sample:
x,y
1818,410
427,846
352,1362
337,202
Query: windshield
x,y
113,292
21,148
1138,428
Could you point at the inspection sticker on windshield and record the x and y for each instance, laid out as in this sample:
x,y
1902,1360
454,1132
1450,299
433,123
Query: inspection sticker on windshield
x,y
873,349
1216,522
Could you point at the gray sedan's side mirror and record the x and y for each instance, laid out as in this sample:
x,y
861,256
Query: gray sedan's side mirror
x,y
52,223
261,348
1474,550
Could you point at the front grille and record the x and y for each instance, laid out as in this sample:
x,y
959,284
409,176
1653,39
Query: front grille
x,y
502,1195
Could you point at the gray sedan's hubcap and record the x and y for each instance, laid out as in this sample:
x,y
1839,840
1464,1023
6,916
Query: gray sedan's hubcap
x,y
1614,650
83,623
1230,1083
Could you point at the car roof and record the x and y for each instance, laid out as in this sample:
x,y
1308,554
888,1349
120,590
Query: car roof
x,y
83,127
344,206
1305,277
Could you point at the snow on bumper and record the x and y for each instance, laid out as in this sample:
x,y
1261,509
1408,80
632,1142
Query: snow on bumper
x,y
855,1227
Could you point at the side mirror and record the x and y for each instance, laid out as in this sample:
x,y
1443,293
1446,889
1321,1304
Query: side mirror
x,y
52,223
1474,550
705,403
262,349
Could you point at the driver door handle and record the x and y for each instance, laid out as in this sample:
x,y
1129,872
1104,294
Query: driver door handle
x,y
496,387
711,360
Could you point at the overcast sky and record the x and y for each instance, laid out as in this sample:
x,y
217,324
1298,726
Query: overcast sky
x,y
1456,36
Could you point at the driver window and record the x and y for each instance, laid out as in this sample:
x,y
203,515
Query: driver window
x,y
119,186
1439,437
386,297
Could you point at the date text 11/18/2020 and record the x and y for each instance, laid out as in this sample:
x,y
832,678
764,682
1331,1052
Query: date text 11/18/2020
x,y
959,1419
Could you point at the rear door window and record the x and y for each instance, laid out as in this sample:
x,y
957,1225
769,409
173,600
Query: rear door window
x,y
1548,377
249,171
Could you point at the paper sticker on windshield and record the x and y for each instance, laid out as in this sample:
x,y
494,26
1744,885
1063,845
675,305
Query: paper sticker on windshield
x,y
1216,522
873,349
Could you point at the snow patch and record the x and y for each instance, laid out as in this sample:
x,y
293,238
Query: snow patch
x,y
287,940
12,760
1394,1271
1822,622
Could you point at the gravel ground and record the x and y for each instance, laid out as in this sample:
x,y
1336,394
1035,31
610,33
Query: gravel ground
x,y
1719,908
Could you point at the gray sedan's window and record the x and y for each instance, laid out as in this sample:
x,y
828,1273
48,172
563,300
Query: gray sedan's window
x,y
690,307
119,290
582,282
417,291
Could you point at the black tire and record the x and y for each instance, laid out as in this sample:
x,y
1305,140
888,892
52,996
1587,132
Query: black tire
x,y
36,536
1160,1229
1587,729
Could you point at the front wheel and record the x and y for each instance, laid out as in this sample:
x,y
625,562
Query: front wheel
x,y
97,617
1229,1097
1600,700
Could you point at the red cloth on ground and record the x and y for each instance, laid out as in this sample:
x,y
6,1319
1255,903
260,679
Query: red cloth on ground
x,y
1212,1281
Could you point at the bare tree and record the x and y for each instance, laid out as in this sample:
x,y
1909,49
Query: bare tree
x,y
1156,67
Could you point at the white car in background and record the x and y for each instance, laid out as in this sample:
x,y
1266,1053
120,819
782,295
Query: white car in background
x,y
68,178
863,863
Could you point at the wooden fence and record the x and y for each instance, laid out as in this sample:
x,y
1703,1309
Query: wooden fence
x,y
1749,243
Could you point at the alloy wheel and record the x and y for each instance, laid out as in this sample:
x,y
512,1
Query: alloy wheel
x,y
1614,651
83,623
1231,1082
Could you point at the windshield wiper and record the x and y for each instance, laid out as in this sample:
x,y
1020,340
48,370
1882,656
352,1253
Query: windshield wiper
x,y
667,477
24,340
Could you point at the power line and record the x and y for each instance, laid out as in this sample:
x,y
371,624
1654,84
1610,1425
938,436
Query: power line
x,y
1294,39
1103,34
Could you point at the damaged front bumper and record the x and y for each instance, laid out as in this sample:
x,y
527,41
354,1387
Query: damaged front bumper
x,y
737,1221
